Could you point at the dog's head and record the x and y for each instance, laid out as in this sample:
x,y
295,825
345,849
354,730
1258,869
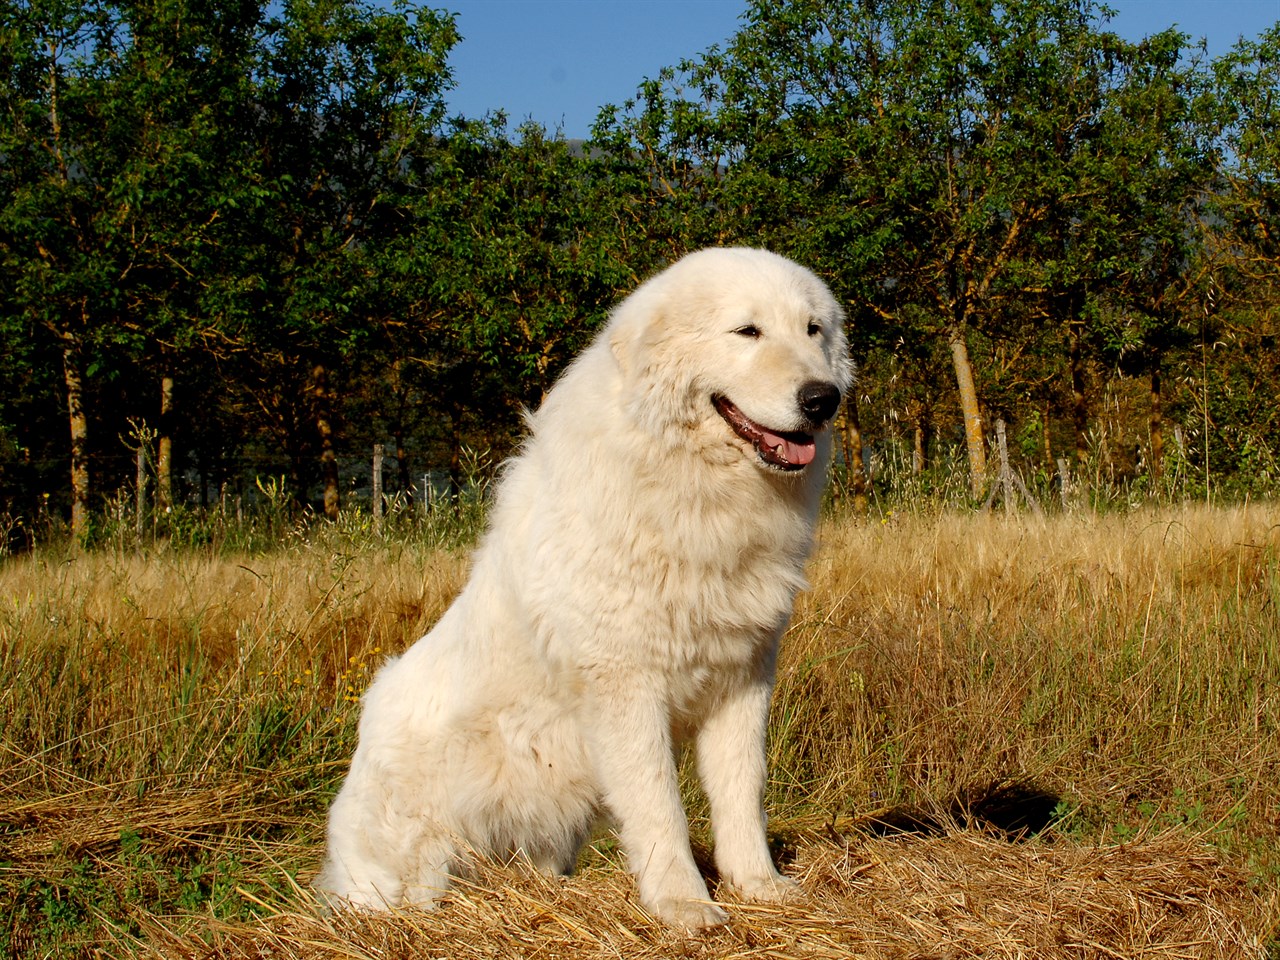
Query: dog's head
x,y
740,346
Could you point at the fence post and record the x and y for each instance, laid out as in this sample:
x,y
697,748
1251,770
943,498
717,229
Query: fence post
x,y
377,488
140,518
1006,472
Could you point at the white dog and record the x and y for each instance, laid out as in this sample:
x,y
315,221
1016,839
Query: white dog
x,y
644,552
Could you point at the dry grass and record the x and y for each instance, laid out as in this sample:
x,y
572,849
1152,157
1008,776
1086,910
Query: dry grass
x,y
964,895
1121,659
172,725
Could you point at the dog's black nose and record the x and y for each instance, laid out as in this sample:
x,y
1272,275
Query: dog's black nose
x,y
819,401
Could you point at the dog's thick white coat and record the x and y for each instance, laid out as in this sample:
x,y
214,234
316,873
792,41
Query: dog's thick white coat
x,y
637,575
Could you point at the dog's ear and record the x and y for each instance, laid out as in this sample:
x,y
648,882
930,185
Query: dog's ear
x,y
631,337
653,376
623,343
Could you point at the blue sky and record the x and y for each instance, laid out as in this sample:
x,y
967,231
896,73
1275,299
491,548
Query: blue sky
x,y
558,61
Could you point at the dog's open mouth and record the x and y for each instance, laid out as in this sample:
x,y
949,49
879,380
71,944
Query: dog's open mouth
x,y
792,450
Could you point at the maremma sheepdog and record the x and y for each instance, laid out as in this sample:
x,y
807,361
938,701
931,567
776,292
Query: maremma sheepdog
x,y
643,554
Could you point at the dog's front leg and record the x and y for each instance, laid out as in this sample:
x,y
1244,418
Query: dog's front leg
x,y
731,762
630,735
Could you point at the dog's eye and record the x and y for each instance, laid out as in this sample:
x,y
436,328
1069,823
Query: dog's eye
x,y
751,331
815,328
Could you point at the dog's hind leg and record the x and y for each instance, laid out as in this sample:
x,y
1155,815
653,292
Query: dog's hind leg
x,y
437,861
558,857
350,879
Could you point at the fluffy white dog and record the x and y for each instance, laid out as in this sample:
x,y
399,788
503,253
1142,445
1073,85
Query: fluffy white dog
x,y
645,549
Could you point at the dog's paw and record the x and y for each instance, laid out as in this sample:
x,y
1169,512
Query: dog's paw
x,y
692,915
769,889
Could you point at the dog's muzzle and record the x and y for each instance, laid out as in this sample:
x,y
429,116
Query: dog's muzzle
x,y
785,449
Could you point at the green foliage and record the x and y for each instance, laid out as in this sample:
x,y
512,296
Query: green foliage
x,y
512,303
1009,183
268,205
77,900
1247,110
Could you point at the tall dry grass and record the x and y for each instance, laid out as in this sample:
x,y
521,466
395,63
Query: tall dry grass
x,y
172,724
1129,663
129,669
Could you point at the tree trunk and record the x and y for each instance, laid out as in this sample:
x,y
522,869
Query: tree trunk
x,y
404,468
1045,438
164,447
852,442
74,379
921,440
1157,423
455,450
324,427
1079,405
404,477
202,467
969,409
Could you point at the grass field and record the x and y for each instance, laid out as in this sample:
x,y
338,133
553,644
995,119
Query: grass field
x,y
173,724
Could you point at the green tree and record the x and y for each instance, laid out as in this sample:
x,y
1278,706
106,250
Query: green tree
x,y
348,106
951,166
512,263
110,122
1247,81
1117,261
1243,229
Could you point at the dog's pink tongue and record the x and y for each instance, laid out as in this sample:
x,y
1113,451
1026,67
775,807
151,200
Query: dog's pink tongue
x,y
800,454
